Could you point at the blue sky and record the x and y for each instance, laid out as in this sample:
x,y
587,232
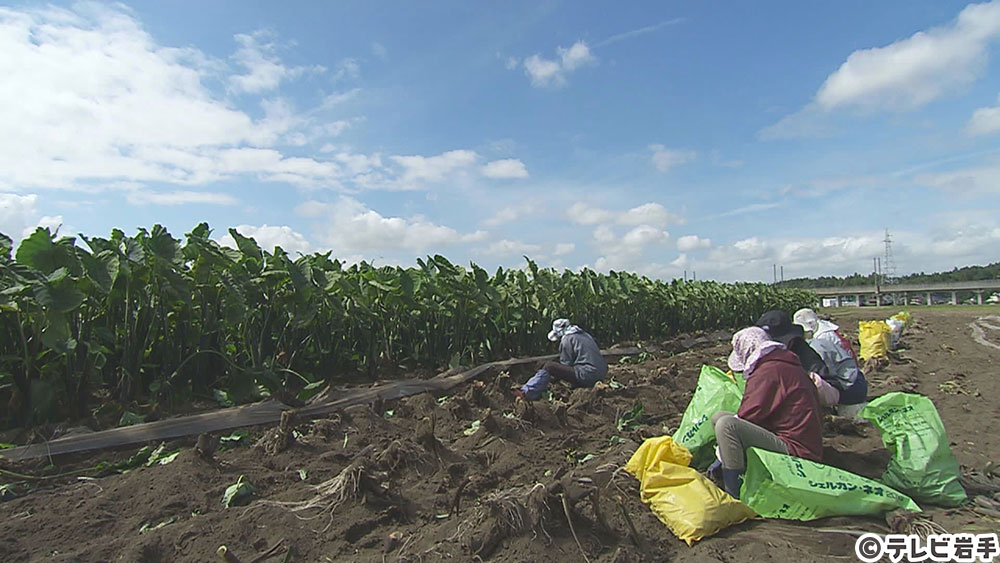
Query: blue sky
x,y
660,138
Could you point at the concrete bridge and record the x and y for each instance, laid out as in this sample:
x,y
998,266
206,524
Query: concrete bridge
x,y
900,294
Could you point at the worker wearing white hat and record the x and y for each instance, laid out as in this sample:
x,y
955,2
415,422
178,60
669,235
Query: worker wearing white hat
x,y
841,362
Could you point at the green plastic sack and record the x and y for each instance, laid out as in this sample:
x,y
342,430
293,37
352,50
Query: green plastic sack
x,y
781,486
716,391
922,464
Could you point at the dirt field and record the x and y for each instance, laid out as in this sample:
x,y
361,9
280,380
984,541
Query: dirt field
x,y
419,483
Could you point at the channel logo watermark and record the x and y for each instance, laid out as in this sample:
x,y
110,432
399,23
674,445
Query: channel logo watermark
x,y
961,548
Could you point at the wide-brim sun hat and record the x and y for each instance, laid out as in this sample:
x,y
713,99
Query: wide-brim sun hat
x,y
779,326
559,326
807,319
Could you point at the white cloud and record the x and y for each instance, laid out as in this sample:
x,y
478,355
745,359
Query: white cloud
x,y
689,243
651,213
627,252
904,75
664,159
505,168
575,56
921,68
505,247
144,110
631,34
644,235
17,212
748,209
604,235
585,214
19,217
270,236
264,70
564,248
434,168
350,227
984,121
967,182
347,69
181,197
551,73
510,213
511,63
380,51
54,223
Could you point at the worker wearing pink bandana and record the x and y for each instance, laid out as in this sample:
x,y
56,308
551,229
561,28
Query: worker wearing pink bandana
x,y
780,410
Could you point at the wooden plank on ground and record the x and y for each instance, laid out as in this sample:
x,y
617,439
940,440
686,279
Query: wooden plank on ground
x,y
266,412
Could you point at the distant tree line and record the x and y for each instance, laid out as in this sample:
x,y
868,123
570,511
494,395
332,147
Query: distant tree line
x,y
968,273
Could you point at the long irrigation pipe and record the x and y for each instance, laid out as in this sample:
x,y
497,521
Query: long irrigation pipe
x,y
266,412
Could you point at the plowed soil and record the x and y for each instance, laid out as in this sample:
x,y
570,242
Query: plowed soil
x,y
420,480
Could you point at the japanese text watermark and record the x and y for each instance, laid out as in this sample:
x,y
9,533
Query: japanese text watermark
x,y
962,548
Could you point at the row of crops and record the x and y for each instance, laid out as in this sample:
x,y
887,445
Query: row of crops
x,y
152,319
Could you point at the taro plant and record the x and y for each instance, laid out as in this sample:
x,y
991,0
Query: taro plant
x,y
149,320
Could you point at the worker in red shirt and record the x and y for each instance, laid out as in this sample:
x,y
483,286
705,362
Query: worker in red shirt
x,y
780,410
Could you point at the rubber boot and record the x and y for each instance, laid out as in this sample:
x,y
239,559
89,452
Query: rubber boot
x,y
731,477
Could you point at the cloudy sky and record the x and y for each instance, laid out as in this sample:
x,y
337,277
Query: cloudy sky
x,y
651,136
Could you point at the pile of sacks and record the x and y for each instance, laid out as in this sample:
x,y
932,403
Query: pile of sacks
x,y
922,468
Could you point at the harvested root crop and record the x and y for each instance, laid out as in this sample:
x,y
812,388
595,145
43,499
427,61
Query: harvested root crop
x,y
400,453
348,485
280,438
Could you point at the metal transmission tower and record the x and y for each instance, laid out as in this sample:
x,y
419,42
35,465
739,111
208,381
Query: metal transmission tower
x,y
888,264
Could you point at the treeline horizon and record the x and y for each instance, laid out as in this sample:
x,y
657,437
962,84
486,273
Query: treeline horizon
x,y
965,273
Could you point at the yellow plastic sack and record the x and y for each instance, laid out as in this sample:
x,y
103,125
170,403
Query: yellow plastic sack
x,y
875,337
905,317
684,500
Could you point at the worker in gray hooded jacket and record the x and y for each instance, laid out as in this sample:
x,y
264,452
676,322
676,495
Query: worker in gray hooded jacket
x,y
580,361
838,355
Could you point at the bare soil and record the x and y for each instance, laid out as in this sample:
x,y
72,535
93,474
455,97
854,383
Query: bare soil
x,y
411,481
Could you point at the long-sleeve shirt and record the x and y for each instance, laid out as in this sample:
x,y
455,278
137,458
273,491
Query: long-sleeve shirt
x,y
781,398
582,352
837,355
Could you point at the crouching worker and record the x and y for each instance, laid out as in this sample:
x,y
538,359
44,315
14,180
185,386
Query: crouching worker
x,y
580,361
779,412
838,355
779,327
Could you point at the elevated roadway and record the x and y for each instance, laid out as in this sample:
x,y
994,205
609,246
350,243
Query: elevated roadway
x,y
902,293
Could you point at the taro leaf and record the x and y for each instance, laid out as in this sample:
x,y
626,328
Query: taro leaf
x,y
43,399
238,493
311,390
102,270
8,490
129,418
222,398
232,440
247,246
56,334
148,526
616,440
631,419
5,446
39,251
614,384
59,294
303,474
6,244
473,428
587,458
160,456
